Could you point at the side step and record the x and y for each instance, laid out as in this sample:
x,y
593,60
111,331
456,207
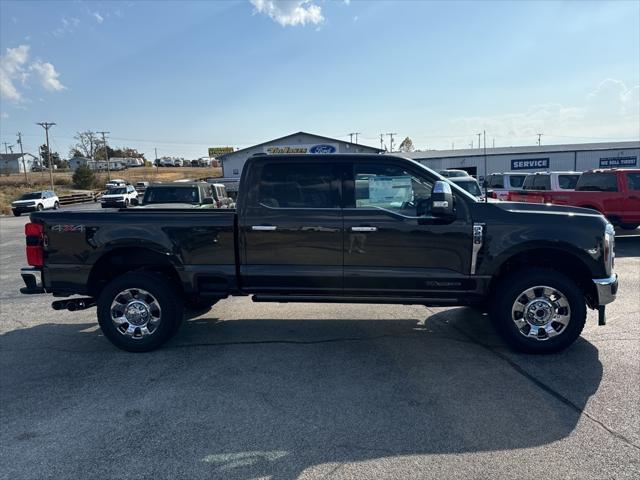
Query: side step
x,y
352,299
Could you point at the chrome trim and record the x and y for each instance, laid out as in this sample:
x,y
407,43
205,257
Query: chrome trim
x,y
263,228
364,229
478,239
606,288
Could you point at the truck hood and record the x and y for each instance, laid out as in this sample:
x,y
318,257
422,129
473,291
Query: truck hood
x,y
23,202
546,208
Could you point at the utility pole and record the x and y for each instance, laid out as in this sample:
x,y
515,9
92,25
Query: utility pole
x,y
484,135
106,154
478,139
381,141
494,143
351,138
155,150
357,133
391,141
539,138
5,147
47,126
24,166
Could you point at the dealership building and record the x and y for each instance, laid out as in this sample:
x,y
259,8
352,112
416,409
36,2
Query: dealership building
x,y
572,157
298,143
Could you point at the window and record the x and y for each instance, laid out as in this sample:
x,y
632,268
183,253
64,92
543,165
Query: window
x,y
496,181
297,185
537,182
568,182
633,181
391,188
516,181
597,182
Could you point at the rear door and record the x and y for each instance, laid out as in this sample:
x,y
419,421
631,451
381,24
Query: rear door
x,y
291,228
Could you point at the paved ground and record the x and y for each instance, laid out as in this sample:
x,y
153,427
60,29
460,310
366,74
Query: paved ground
x,y
309,391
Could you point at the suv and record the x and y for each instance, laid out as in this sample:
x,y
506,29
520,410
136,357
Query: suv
x,y
120,197
551,181
35,201
452,173
503,183
178,195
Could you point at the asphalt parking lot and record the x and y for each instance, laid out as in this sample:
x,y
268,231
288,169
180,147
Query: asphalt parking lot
x,y
314,391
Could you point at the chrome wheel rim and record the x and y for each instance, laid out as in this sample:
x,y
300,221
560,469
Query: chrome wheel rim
x,y
135,313
541,313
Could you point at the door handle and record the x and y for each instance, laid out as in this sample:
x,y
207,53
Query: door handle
x,y
263,228
364,229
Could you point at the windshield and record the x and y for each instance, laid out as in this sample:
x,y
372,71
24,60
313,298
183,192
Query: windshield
x,y
31,196
116,191
470,186
171,195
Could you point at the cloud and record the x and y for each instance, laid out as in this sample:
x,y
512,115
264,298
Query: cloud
x,y
68,25
12,71
48,76
611,110
290,12
99,18
4,115
15,70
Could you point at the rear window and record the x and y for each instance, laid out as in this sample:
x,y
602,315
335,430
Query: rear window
x,y
568,182
633,181
597,182
295,185
470,186
171,195
516,181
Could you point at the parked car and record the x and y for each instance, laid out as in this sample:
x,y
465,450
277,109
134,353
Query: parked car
x,y
502,183
141,186
469,184
219,193
35,201
120,197
178,195
330,228
116,182
615,193
551,181
452,173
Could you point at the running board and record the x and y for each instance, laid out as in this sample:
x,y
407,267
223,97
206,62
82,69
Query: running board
x,y
350,299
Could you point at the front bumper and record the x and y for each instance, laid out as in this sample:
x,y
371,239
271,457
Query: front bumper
x,y
24,209
32,278
606,289
118,204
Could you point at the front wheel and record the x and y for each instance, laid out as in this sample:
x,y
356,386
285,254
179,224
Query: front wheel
x,y
56,205
16,214
139,311
538,311
39,207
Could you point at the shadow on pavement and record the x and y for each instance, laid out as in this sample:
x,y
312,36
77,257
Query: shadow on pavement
x,y
254,398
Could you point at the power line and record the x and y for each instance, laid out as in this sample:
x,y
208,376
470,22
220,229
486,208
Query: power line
x,y
47,126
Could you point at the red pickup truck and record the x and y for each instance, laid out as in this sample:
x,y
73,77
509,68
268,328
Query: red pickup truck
x,y
613,192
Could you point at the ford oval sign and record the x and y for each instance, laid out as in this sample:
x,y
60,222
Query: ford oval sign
x,y
322,149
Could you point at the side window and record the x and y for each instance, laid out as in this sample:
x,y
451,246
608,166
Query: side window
x,y
516,181
633,181
542,182
297,185
598,182
391,188
496,181
568,182
528,182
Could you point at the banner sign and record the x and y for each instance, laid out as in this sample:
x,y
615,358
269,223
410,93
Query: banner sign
x,y
301,149
530,163
215,151
618,162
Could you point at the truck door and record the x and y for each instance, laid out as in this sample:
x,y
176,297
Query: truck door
x,y
392,246
291,228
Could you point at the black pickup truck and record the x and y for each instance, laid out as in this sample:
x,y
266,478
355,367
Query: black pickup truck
x,y
330,228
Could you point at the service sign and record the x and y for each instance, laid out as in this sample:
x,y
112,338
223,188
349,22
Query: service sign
x,y
301,149
530,164
215,151
618,162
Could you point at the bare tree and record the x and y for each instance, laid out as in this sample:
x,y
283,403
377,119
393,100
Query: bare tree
x,y
406,145
87,143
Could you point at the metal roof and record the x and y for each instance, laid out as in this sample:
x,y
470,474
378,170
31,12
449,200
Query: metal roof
x,y
535,149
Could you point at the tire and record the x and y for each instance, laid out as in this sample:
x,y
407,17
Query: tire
x,y
56,206
40,207
16,214
126,203
566,315
629,226
140,291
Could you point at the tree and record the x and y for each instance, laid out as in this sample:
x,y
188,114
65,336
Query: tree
x,y
84,178
406,145
44,155
87,143
74,152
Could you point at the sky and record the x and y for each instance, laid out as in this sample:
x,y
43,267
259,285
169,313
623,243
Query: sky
x,y
184,76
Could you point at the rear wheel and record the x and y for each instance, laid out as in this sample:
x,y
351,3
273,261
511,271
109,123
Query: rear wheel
x,y
139,311
538,311
56,205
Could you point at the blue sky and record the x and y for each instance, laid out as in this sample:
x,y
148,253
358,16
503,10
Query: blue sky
x,y
182,76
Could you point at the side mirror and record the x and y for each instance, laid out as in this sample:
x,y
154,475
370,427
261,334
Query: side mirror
x,y
207,201
442,200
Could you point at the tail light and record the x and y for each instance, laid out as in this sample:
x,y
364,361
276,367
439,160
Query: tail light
x,y
35,244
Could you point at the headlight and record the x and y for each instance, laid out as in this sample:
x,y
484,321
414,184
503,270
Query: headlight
x,y
609,243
